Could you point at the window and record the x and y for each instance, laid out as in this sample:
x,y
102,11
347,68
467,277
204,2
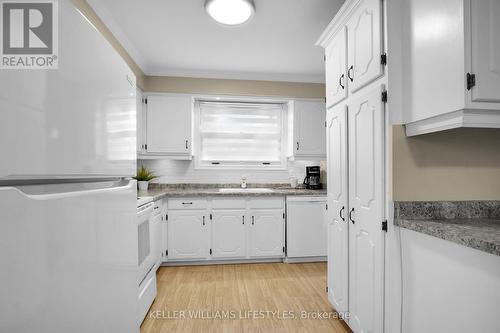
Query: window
x,y
240,135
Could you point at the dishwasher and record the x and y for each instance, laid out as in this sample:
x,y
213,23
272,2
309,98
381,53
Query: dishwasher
x,y
306,228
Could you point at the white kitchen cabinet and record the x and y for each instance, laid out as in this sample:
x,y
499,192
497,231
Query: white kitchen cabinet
x,y
338,199
336,66
169,125
485,55
366,211
211,228
229,233
267,229
464,45
308,137
141,122
306,228
188,232
156,235
364,31
355,132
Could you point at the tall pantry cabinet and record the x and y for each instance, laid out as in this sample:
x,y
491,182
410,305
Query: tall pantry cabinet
x,y
355,89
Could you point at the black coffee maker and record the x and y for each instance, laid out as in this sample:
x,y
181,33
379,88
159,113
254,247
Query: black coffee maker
x,y
312,180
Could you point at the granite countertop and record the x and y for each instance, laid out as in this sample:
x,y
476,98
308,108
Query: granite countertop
x,y
475,224
202,190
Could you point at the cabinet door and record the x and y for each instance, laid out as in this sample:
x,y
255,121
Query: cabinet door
x,y
187,235
309,125
267,230
169,124
485,43
164,240
366,203
156,237
336,65
364,33
140,120
338,226
229,234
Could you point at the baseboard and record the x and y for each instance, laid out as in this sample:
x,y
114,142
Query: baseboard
x,y
221,262
304,259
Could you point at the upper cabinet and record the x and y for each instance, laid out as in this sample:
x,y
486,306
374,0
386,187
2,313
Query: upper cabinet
x,y
354,53
168,125
485,55
141,122
364,54
308,130
336,67
451,75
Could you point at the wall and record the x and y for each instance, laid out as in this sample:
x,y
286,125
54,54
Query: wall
x,y
90,14
183,171
172,171
460,164
199,85
233,87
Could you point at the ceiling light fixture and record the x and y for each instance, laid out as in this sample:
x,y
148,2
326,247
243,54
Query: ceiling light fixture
x,y
230,12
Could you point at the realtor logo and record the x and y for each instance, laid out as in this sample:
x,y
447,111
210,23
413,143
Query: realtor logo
x,y
29,34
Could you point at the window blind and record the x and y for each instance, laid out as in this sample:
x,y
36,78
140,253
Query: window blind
x,y
240,133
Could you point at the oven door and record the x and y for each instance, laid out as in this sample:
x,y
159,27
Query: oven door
x,y
144,228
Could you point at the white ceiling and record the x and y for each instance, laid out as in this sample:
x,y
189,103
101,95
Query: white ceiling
x,y
178,38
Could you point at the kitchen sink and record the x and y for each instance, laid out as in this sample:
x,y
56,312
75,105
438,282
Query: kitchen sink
x,y
246,190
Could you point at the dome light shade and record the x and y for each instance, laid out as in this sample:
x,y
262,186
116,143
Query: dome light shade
x,y
230,12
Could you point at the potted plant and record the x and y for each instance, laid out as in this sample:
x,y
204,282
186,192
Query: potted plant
x,y
143,177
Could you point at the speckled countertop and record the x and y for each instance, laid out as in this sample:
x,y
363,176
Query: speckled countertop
x,y
475,224
201,190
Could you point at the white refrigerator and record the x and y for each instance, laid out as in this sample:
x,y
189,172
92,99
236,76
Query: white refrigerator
x,y
68,230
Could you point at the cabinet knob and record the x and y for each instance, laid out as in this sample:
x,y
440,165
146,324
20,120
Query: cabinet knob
x,y
351,69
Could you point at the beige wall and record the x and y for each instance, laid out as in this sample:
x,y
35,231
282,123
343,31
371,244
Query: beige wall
x,y
461,164
233,87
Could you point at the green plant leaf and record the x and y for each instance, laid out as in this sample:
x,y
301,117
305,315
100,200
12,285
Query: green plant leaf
x,y
144,174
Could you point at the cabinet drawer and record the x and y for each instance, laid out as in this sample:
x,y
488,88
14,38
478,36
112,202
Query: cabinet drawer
x,y
228,203
187,203
266,203
158,205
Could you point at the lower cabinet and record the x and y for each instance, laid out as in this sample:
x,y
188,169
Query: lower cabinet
x,y
229,234
267,230
221,229
187,234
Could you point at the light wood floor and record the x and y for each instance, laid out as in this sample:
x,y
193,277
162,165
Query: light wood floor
x,y
215,291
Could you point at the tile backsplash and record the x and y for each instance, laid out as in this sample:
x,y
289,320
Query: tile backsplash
x,y
177,171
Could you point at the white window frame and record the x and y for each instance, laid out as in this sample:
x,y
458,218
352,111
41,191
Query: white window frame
x,y
198,164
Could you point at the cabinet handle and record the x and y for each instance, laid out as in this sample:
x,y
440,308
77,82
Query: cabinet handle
x,y
349,73
253,220
298,145
187,203
350,215
243,218
203,219
340,213
186,144
341,81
